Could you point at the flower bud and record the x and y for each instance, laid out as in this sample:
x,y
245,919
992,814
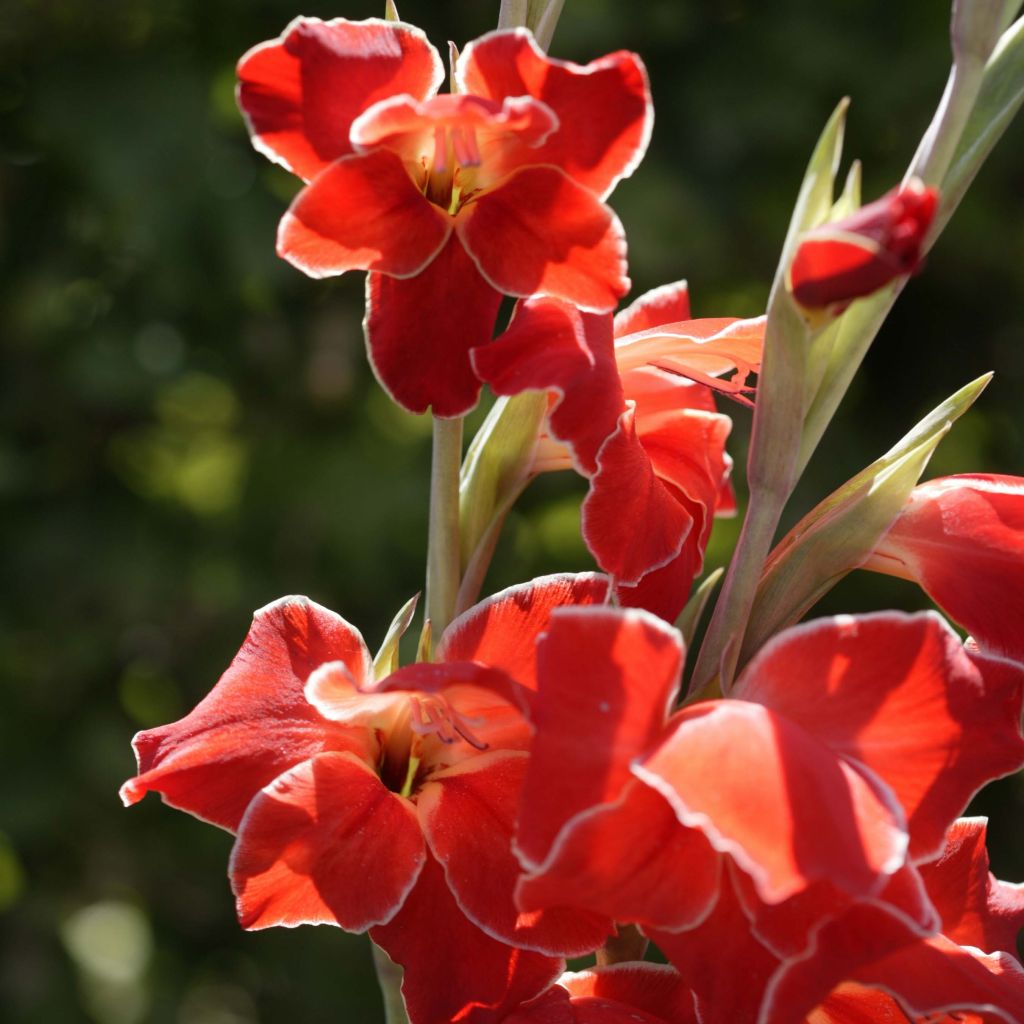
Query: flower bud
x,y
846,259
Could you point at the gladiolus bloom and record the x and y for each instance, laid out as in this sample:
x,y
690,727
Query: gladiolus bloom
x,y
449,201
735,831
386,805
962,539
846,259
631,408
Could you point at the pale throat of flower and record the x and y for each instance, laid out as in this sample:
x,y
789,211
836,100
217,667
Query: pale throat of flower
x,y
412,742
456,152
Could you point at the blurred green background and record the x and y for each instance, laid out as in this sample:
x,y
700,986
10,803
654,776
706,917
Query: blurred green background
x,y
190,429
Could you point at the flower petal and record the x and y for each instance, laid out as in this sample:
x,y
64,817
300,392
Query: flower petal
x,y
362,213
785,806
976,908
700,350
651,988
630,860
256,722
604,108
419,332
962,539
667,304
325,843
873,947
897,694
551,346
540,233
626,491
502,630
469,817
300,93
605,681
454,971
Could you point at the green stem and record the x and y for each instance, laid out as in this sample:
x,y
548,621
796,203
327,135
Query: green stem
x,y
389,978
443,537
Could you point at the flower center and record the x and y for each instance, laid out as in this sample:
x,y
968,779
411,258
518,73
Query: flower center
x,y
455,149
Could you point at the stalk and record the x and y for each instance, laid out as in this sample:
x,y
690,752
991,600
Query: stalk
x,y
389,978
443,537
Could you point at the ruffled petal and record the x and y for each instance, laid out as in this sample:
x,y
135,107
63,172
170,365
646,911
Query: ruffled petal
x,y
626,491
722,961
325,843
700,350
654,989
453,970
785,806
667,304
256,722
898,694
603,108
870,946
301,92
540,233
362,213
502,630
605,681
962,539
419,332
630,860
469,817
976,908
551,346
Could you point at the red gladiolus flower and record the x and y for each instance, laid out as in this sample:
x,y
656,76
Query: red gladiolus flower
x,y
962,539
386,805
449,201
846,259
632,409
625,993
735,831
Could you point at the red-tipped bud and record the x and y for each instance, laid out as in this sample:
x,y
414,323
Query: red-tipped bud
x,y
855,256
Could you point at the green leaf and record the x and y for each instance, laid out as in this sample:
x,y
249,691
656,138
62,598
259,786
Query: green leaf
x,y
386,660
837,535
690,616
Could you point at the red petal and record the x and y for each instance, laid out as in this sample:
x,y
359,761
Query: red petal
x,y
606,678
325,843
419,332
630,860
897,694
976,908
362,213
415,130
786,807
454,971
604,108
626,491
869,946
256,722
962,539
502,631
722,961
540,233
469,818
700,350
665,591
667,304
651,988
301,92
552,346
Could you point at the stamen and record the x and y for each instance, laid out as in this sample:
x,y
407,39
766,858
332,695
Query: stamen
x,y
440,150
435,715
467,152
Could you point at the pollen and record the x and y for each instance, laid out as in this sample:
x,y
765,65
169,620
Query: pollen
x,y
433,715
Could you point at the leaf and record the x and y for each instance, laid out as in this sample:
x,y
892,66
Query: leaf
x,y
690,616
386,660
843,530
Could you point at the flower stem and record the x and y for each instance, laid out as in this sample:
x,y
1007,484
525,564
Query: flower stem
x,y
443,537
389,978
